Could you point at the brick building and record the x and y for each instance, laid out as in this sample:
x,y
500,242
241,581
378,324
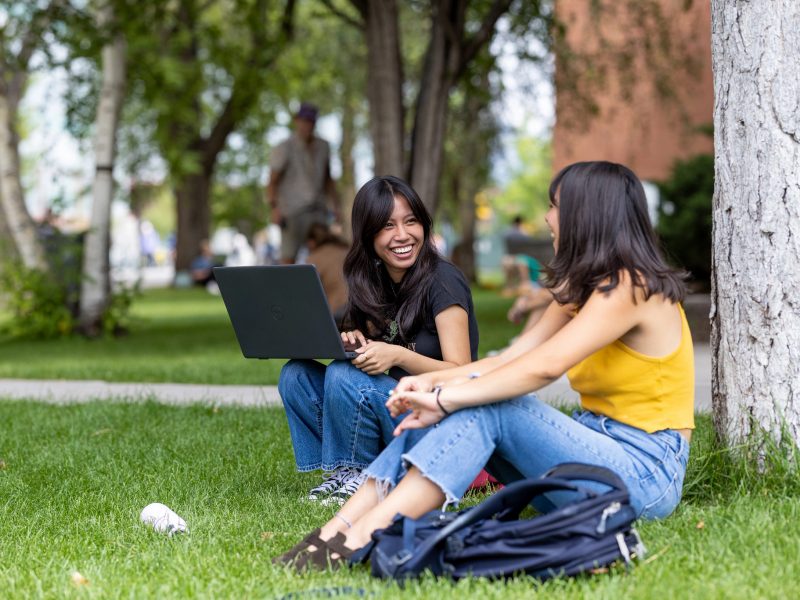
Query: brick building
x,y
646,65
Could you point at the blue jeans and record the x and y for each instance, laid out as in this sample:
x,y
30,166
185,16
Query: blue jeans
x,y
337,414
524,437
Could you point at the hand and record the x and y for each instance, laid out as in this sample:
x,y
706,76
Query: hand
x,y
354,339
412,383
518,310
376,357
424,410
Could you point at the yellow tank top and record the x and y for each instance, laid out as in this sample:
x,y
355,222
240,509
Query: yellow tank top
x,y
643,391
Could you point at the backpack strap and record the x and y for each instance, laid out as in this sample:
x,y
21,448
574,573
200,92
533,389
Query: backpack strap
x,y
508,503
584,472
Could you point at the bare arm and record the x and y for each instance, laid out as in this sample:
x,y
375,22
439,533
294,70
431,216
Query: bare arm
x,y
604,319
555,317
452,327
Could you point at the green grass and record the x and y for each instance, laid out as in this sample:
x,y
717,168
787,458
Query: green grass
x,y
183,336
74,479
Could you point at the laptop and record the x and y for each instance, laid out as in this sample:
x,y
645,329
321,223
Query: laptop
x,y
280,312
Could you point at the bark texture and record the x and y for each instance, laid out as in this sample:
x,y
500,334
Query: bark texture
x,y
452,44
756,255
193,194
12,200
96,280
384,84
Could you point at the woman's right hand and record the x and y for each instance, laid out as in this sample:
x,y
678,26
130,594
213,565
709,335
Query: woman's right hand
x,y
412,383
354,339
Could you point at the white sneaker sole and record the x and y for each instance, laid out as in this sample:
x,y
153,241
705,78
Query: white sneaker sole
x,y
333,501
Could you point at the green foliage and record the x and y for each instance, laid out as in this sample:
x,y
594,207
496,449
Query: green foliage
x,y
527,192
684,215
37,302
117,318
241,207
45,305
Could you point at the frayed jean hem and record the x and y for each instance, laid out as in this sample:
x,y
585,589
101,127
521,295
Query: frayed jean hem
x,y
450,499
383,485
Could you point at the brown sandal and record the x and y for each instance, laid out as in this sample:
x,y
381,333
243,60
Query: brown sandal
x,y
322,556
312,539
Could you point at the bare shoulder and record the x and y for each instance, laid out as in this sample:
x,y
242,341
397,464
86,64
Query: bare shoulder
x,y
657,323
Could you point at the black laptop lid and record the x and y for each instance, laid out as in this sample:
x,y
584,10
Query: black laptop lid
x,y
280,312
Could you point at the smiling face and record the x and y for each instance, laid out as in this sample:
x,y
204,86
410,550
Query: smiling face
x,y
551,218
399,242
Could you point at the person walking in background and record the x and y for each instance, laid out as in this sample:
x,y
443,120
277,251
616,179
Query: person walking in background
x,y
300,183
327,252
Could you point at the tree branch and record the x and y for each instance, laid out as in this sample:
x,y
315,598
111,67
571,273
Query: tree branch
x,y
473,46
360,6
243,93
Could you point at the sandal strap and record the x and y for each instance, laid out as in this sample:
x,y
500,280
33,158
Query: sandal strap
x,y
336,544
312,539
322,558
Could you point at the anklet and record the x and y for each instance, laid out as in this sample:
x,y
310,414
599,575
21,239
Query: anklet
x,y
346,522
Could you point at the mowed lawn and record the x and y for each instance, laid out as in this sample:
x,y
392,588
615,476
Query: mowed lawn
x,y
183,336
74,479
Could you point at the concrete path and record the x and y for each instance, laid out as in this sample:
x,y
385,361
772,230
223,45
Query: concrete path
x,y
68,392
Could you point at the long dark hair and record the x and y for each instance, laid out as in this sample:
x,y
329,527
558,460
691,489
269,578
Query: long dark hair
x,y
373,300
604,228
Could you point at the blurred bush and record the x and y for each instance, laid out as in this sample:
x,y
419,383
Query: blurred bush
x,y
684,217
46,304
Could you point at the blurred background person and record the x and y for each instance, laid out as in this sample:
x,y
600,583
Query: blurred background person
x,y
327,251
300,184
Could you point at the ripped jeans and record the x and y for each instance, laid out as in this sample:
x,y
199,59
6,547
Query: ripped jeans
x,y
524,437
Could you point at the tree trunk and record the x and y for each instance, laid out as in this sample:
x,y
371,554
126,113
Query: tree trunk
x,y
19,223
464,251
96,280
430,117
756,238
384,85
347,183
193,194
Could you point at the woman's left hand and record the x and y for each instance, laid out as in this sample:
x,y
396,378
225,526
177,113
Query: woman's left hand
x,y
376,357
424,410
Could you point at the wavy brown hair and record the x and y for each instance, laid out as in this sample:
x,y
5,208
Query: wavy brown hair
x,y
604,230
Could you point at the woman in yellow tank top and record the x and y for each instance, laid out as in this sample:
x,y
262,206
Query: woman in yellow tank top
x,y
616,328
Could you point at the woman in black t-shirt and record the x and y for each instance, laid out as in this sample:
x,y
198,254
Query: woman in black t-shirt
x,y
409,311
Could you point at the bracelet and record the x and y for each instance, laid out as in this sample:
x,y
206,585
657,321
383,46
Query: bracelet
x,y
346,522
436,391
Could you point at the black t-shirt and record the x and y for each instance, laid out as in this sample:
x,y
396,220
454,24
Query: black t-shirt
x,y
449,288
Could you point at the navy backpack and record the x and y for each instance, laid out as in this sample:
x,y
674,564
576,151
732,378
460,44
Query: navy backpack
x,y
489,540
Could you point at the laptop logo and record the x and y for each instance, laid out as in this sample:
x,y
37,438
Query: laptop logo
x,y
277,312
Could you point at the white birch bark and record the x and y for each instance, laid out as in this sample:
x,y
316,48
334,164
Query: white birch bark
x,y
19,224
96,284
756,239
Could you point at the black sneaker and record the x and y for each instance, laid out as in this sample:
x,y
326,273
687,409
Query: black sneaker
x,y
332,481
348,487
